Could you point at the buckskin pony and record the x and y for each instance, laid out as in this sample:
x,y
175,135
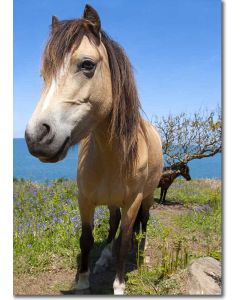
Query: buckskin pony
x,y
90,97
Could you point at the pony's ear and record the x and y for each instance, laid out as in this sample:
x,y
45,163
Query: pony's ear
x,y
92,17
54,22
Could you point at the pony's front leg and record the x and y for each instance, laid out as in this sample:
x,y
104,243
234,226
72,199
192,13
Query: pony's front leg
x,y
106,254
129,215
86,243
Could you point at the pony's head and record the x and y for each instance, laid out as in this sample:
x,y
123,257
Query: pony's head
x,y
87,80
77,87
184,171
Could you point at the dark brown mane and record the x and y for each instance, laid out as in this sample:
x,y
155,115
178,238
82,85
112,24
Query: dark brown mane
x,y
125,119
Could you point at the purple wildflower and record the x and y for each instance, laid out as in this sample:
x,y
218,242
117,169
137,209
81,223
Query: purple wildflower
x,y
69,201
202,208
41,226
20,227
206,207
75,219
98,214
62,212
57,220
77,225
198,209
33,191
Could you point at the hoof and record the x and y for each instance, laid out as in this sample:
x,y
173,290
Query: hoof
x,y
118,287
118,291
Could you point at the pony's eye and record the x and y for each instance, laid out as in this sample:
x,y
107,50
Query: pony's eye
x,y
86,66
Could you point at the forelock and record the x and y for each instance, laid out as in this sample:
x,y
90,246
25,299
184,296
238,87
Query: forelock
x,y
64,39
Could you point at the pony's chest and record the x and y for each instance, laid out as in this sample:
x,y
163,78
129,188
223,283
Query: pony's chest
x,y
102,190
100,180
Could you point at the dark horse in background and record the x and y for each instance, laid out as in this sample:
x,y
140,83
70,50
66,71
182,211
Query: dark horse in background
x,y
169,175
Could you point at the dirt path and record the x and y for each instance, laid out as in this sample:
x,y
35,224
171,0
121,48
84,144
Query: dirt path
x,y
60,282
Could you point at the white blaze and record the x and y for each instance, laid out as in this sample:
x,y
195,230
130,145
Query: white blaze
x,y
55,82
49,95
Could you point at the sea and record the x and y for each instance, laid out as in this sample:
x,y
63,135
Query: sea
x,y
28,167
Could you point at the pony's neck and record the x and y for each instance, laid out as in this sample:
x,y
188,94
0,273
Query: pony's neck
x,y
177,173
100,138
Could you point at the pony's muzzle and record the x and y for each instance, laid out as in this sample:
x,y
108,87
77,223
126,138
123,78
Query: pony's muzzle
x,y
42,143
42,134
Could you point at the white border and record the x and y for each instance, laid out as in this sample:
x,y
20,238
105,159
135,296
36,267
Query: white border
x,y
6,130
231,147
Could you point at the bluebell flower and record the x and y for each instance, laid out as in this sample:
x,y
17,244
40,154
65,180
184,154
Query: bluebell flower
x,y
75,219
33,191
57,220
62,212
20,227
69,201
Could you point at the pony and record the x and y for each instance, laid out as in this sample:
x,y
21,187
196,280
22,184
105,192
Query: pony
x,y
90,97
169,175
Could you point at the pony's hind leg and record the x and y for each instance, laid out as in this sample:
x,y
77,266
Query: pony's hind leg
x,y
161,196
115,217
146,204
129,215
136,229
86,243
145,207
164,196
106,255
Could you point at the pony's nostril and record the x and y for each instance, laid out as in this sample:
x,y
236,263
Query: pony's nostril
x,y
44,130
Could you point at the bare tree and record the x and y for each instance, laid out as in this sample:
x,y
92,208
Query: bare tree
x,y
187,137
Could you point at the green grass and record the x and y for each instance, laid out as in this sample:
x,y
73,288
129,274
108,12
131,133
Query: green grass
x,y
47,229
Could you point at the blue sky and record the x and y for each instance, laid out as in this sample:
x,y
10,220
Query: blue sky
x,y
174,46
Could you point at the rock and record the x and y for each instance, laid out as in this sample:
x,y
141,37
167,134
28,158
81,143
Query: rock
x,y
205,277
